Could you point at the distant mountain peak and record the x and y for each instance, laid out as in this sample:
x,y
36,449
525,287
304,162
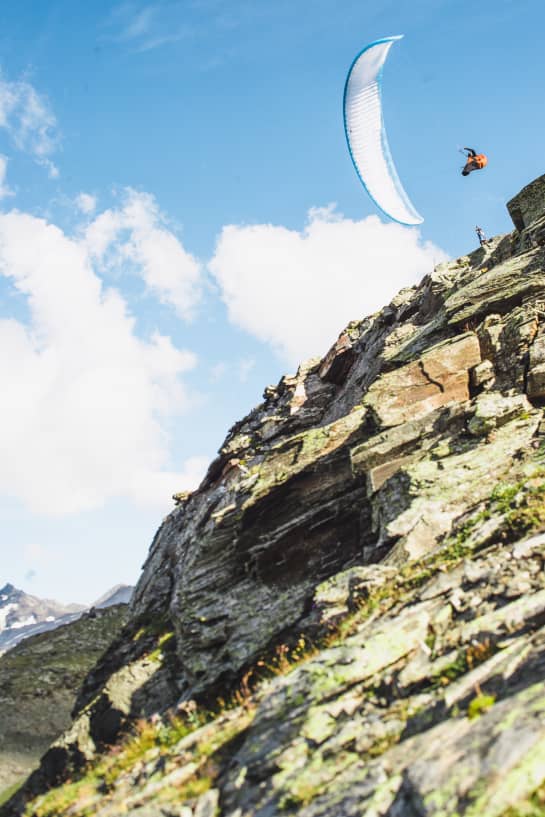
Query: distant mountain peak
x,y
118,594
23,615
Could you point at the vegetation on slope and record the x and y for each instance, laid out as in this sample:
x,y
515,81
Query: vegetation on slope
x,y
39,679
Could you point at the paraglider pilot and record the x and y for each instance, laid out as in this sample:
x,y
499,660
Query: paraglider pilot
x,y
475,161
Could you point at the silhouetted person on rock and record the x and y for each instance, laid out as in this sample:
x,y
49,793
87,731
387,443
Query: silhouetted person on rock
x,y
481,236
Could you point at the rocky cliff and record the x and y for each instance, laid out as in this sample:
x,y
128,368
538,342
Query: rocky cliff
x,y
348,616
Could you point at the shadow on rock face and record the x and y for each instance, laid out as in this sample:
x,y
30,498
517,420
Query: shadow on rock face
x,y
57,760
106,723
55,767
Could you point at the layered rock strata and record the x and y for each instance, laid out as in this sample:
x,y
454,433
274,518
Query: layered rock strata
x,y
339,513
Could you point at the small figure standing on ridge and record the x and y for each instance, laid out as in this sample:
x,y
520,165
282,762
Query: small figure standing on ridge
x,y
475,161
481,236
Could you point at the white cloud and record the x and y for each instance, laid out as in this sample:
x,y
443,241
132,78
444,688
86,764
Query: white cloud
x,y
297,290
159,487
4,189
51,167
245,366
240,369
35,553
137,232
29,120
147,27
86,203
218,371
139,24
83,397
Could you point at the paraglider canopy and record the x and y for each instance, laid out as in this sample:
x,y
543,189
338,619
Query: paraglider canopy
x,y
366,135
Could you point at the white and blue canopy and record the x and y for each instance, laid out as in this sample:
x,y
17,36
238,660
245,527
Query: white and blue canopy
x,y
366,136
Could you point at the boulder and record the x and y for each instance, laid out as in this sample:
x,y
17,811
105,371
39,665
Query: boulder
x,y
439,377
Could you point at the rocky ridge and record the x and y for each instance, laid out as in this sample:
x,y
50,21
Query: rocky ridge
x,y
359,576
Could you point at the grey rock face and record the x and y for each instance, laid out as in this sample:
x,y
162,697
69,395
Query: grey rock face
x,y
528,206
384,503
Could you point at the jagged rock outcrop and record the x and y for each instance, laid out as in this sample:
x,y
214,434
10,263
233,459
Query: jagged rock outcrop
x,y
370,537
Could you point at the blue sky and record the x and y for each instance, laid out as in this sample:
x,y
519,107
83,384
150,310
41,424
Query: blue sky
x,y
180,224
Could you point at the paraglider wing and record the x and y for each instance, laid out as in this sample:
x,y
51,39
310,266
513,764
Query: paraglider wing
x,y
366,136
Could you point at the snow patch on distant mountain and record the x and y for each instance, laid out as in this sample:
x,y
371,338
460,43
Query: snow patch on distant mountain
x,y
23,615
4,612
